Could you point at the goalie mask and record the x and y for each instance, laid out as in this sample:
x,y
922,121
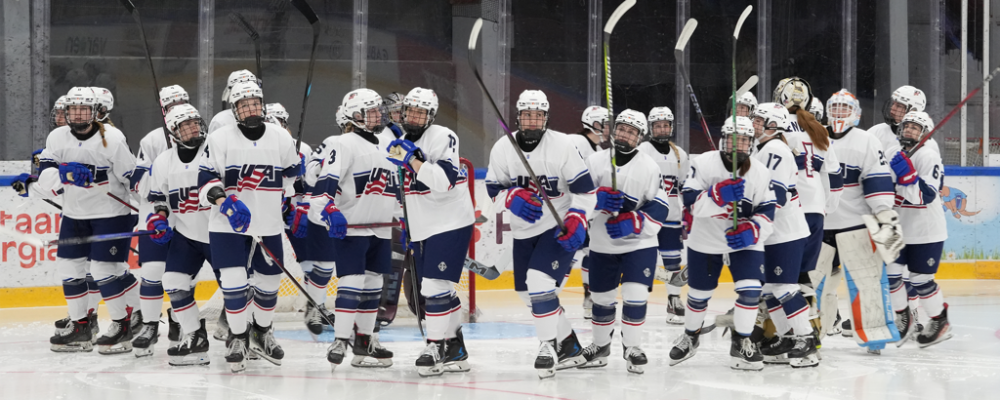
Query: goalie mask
x,y
630,127
912,129
246,101
742,133
173,95
843,112
903,100
59,112
187,128
279,113
661,125
419,109
81,108
532,115
363,108
793,92
769,120
746,105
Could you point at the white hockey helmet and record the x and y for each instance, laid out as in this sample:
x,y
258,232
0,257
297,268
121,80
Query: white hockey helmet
x,y
81,96
816,108
772,117
421,98
278,111
592,115
532,100
623,142
910,137
749,101
242,91
179,114
358,103
105,101
793,92
843,111
661,114
234,78
342,120
59,112
744,134
173,95
393,103
911,98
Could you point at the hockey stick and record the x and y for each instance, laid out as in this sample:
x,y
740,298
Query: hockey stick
x,y
38,242
408,253
119,199
310,15
610,26
736,37
953,111
98,238
473,38
749,84
149,59
682,41
270,256
255,37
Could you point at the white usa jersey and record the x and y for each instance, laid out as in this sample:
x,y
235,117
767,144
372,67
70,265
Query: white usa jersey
x,y
885,136
256,171
174,184
868,185
708,230
582,144
111,167
437,198
361,182
789,219
300,187
316,161
560,170
221,119
673,168
639,182
921,213
815,192
150,147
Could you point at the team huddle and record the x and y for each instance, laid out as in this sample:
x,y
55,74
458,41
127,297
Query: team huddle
x,y
796,196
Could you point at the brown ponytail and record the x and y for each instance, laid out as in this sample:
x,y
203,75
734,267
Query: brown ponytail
x,y
100,127
816,131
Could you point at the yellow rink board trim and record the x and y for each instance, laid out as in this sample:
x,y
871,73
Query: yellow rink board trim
x,y
53,295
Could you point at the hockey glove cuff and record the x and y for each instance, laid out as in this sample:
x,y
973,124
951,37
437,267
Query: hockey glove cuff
x,y
298,220
745,235
727,191
576,230
905,173
335,221
625,224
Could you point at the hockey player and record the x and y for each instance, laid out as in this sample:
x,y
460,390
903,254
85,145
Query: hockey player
x,y
181,222
710,191
587,141
543,253
106,103
393,103
225,117
903,100
243,172
153,256
784,248
59,112
746,105
816,109
435,185
624,241
85,160
357,185
918,178
673,162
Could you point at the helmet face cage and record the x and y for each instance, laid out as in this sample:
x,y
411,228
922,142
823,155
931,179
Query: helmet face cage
x,y
532,120
59,112
626,137
746,105
743,133
661,131
393,103
81,108
190,133
416,116
248,109
912,129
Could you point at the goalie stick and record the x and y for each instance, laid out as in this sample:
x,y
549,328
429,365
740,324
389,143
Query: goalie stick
x,y
953,111
310,15
473,38
610,26
682,41
149,59
255,37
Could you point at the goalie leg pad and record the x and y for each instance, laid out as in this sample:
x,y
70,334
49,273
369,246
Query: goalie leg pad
x,y
826,280
872,318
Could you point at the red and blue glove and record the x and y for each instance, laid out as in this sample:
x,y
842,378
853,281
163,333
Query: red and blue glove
x,y
335,221
817,163
237,212
609,200
402,234
76,174
410,152
687,221
524,204
745,235
727,191
625,224
157,222
905,173
800,161
576,230
298,220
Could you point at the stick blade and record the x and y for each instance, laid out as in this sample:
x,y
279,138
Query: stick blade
x,y
128,5
749,84
739,24
617,15
474,36
685,35
242,22
307,11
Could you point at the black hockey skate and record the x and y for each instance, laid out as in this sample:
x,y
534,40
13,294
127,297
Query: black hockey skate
x,y
335,354
775,350
238,351
846,330
95,329
588,304
135,318
173,328
545,362
146,339
570,352
456,356
75,337
192,349
906,322
369,353
685,347
118,338
938,329
836,328
744,354
804,353
596,356
675,310
431,360
222,328
263,344
635,358
314,319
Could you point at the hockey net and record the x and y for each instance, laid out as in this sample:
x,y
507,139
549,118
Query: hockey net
x,y
291,304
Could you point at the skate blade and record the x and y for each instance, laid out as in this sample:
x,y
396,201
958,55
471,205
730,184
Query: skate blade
x,y
77,347
571,362
545,373
778,359
947,335
876,352
237,366
436,370
675,320
811,360
588,315
221,334
457,366
743,365
120,348
847,333
371,362
595,363
689,355
634,369
257,354
139,352
188,360
834,331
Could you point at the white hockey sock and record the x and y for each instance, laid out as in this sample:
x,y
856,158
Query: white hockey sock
x,y
544,304
368,309
634,297
780,320
265,298
73,274
93,294
317,290
151,290
563,327
697,304
673,290
105,275
235,288
441,306
454,321
930,294
604,312
897,287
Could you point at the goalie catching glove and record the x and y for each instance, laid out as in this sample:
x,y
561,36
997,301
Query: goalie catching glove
x,y
886,232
